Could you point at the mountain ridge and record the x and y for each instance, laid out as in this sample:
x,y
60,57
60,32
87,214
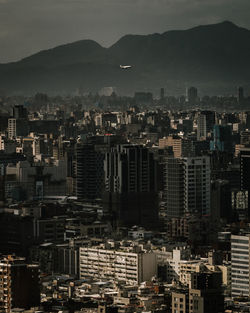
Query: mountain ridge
x,y
205,55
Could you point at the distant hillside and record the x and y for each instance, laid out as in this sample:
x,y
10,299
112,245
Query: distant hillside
x,y
213,57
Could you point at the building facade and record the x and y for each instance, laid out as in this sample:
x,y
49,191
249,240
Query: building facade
x,y
132,267
240,246
19,284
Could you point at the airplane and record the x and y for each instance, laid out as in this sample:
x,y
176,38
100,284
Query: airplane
x,y
125,67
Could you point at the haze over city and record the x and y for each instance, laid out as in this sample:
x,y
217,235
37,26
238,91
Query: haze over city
x,y
124,156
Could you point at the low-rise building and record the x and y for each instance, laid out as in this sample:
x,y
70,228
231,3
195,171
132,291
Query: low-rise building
x,y
122,264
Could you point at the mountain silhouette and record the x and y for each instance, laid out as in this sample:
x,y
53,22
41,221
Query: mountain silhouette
x,y
212,57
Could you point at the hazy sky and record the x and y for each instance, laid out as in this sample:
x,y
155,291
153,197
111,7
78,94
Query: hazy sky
x,y
27,26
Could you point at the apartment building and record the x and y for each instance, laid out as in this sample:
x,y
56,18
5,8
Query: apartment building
x,y
19,284
240,245
119,264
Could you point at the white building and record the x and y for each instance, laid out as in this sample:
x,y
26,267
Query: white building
x,y
12,128
179,265
117,264
240,246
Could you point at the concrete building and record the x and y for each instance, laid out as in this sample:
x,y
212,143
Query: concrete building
x,y
19,284
197,185
12,132
205,124
187,188
37,180
121,264
240,246
89,173
174,187
180,301
205,293
192,95
131,186
181,147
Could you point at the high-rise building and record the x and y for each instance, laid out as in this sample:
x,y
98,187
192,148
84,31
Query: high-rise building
x,y
187,187
162,93
89,172
19,111
12,132
221,203
17,127
205,124
174,187
222,138
192,95
245,168
205,294
197,185
240,265
130,185
19,284
2,189
240,95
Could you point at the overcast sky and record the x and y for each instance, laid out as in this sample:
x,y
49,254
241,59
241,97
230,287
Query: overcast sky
x,y
28,26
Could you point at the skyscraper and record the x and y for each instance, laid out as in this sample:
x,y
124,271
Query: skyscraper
x,y
130,186
187,187
19,111
162,93
12,131
245,169
192,95
197,185
174,187
222,138
205,124
240,95
89,172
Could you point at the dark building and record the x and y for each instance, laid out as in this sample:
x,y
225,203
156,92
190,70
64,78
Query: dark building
x,y
130,186
2,189
247,120
20,112
44,127
4,121
143,98
162,93
222,138
192,95
89,172
174,187
221,205
19,284
187,187
205,124
245,169
205,294
16,234
240,95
